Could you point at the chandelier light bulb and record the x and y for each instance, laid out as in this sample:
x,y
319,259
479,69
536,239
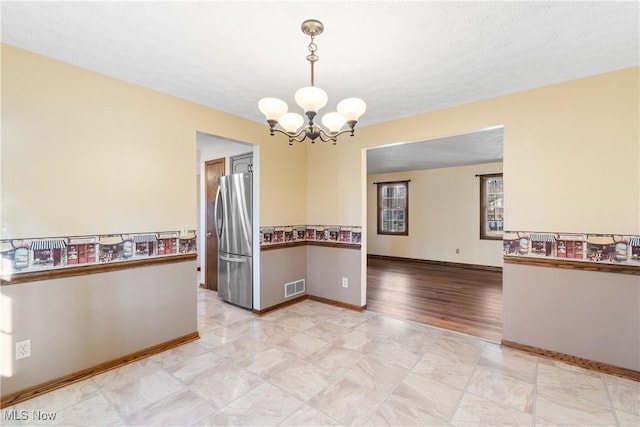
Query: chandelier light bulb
x,y
352,108
333,121
311,98
273,108
291,122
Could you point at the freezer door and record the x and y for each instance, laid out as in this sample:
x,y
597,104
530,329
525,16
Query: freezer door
x,y
233,212
235,279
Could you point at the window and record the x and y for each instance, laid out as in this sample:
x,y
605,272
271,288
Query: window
x,y
393,208
491,206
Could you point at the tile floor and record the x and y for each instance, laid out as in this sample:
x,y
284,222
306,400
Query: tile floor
x,y
315,364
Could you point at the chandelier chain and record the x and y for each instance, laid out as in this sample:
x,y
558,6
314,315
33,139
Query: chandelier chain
x,y
312,58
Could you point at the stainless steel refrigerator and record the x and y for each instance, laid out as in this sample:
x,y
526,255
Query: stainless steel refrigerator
x,y
233,218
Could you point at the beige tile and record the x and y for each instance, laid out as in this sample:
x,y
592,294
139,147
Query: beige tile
x,y
477,411
382,327
266,362
293,320
146,391
177,410
228,315
559,408
302,379
417,339
392,353
57,400
324,311
206,324
178,354
396,412
190,368
335,359
239,349
509,362
267,332
625,394
218,336
461,348
382,377
423,398
444,370
302,344
566,366
214,419
627,420
274,314
584,385
95,411
301,308
354,340
347,319
503,389
347,402
326,331
224,384
351,370
266,405
308,416
126,374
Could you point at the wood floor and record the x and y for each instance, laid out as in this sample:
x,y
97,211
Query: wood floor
x,y
456,298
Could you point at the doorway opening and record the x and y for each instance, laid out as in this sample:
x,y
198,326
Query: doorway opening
x,y
442,273
214,157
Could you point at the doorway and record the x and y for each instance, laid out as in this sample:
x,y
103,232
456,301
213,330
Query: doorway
x,y
212,148
444,236
213,169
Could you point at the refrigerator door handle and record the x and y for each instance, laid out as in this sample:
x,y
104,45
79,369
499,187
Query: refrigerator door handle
x,y
218,216
229,259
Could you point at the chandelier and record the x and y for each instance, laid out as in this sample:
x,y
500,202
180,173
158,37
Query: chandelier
x,y
312,99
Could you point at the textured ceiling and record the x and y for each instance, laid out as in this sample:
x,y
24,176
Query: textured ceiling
x,y
484,146
403,58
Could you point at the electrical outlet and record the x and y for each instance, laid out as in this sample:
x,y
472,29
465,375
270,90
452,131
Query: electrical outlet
x,y
457,250
23,349
345,282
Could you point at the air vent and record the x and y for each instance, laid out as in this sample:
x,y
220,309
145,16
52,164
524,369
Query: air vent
x,y
294,288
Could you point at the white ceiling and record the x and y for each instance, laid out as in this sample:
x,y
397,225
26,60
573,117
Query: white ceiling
x,y
403,58
483,146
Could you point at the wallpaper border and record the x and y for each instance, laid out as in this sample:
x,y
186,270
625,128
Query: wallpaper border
x,y
614,249
337,234
29,255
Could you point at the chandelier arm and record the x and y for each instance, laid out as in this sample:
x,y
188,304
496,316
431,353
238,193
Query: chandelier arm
x,y
326,137
299,137
292,137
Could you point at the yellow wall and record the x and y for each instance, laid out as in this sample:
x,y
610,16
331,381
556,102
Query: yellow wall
x,y
83,153
283,181
444,215
571,155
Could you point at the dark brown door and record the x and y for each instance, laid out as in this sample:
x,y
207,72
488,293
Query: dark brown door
x,y
213,169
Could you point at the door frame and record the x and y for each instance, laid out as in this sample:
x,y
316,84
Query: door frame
x,y
210,146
